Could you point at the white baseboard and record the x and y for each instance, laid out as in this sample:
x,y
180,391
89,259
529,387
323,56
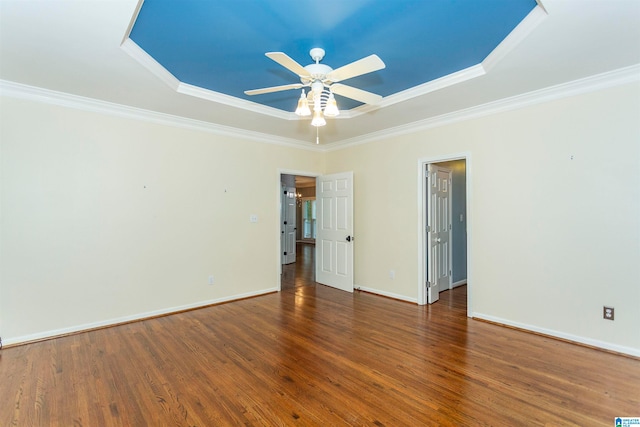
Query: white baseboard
x,y
126,319
386,294
569,337
459,283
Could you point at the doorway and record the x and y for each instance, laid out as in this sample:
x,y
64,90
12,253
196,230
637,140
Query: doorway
x,y
334,232
431,235
299,232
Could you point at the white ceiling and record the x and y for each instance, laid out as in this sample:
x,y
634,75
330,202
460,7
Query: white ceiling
x,y
74,47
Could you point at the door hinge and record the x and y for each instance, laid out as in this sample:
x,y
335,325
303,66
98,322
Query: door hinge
x,y
427,284
426,174
428,229
449,226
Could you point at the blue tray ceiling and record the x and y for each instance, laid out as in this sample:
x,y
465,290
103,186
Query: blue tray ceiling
x,y
220,45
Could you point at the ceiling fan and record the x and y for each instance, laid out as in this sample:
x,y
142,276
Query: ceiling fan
x,y
323,83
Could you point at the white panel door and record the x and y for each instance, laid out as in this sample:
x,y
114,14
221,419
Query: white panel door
x,y
439,231
334,233
289,226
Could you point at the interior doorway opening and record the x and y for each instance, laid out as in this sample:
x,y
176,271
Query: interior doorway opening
x,y
431,239
297,230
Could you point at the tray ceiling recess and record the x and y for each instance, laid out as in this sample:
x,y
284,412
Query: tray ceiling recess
x,y
216,50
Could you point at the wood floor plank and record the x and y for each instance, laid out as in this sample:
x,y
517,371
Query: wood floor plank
x,y
311,355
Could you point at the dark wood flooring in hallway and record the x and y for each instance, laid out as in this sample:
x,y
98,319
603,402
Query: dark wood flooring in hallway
x,y
302,272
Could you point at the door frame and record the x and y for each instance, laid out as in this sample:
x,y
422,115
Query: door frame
x,y
422,224
278,216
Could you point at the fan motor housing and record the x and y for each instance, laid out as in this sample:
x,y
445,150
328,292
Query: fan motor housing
x,y
317,71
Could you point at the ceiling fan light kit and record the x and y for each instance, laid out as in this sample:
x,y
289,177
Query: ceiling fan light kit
x,y
303,105
321,79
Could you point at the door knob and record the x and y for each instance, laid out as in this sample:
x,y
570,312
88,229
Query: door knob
x,y
438,240
349,238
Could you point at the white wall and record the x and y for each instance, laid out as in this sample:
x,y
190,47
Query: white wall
x,y
553,239
106,218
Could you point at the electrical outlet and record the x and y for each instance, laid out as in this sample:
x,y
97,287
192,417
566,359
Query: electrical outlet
x,y
211,280
608,313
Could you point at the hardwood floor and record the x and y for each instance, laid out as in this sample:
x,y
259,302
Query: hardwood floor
x,y
312,355
302,272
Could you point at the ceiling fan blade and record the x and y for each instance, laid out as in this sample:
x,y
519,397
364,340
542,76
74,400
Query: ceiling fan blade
x,y
273,89
354,93
362,66
288,63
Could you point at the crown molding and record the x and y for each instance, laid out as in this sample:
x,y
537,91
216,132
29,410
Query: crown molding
x,y
147,61
46,96
515,37
589,84
232,101
423,89
153,66
578,87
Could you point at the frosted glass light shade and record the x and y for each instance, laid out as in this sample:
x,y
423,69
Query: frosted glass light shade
x,y
303,106
331,110
318,119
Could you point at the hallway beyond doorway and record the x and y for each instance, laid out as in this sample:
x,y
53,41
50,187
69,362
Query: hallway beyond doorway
x,y
303,271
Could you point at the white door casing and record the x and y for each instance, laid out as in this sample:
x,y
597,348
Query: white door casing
x,y
334,233
438,230
289,226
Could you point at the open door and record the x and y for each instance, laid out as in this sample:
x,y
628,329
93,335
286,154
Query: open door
x,y
289,226
438,231
334,234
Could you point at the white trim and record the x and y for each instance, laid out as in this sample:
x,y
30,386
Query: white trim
x,y
574,88
422,163
553,333
423,89
232,101
133,20
578,87
153,66
148,62
126,319
46,96
385,294
515,37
